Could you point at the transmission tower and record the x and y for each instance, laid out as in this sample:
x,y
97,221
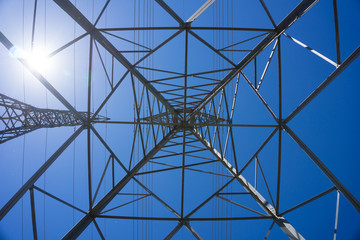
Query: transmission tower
x,y
19,118
190,125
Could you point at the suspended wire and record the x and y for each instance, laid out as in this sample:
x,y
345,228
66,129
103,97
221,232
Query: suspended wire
x,y
152,77
232,90
46,130
33,26
133,185
74,143
92,109
106,115
24,138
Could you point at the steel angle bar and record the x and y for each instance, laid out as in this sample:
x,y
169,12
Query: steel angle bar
x,y
29,184
159,70
192,230
109,95
233,29
77,16
33,213
57,199
126,40
102,11
88,218
174,231
158,47
336,213
295,14
99,231
312,50
139,28
127,203
213,71
138,218
256,91
309,200
337,34
67,45
212,48
157,197
240,205
353,201
170,11
270,228
268,13
284,225
267,65
202,9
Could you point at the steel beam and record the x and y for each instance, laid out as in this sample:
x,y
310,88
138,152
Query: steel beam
x,y
285,226
88,218
18,195
192,230
295,14
202,9
174,231
77,16
33,213
171,12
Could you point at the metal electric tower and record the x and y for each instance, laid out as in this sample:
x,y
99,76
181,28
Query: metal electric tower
x,y
167,145
18,118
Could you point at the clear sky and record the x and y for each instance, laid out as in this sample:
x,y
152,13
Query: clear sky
x,y
328,125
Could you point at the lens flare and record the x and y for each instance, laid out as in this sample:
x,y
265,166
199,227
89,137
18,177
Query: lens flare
x,y
37,58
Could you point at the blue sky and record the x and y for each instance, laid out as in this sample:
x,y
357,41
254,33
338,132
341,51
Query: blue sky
x,y
328,125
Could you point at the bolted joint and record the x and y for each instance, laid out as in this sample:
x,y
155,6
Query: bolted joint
x,y
186,26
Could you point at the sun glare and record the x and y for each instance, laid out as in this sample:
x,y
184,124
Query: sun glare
x,y
37,58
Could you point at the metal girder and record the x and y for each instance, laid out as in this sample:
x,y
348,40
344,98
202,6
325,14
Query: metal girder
x,y
170,11
174,231
18,195
192,230
202,9
295,14
6,42
96,210
75,14
285,226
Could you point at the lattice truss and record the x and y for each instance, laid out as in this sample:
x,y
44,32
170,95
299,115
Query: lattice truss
x,y
18,118
188,128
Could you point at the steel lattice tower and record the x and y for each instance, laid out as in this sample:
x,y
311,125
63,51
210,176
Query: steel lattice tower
x,y
170,141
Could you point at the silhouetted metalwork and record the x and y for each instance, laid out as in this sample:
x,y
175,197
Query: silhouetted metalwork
x,y
183,118
18,118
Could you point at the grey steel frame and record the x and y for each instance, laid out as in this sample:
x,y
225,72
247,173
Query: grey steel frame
x,y
185,122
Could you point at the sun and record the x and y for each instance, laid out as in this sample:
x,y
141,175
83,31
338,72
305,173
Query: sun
x,y
36,59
